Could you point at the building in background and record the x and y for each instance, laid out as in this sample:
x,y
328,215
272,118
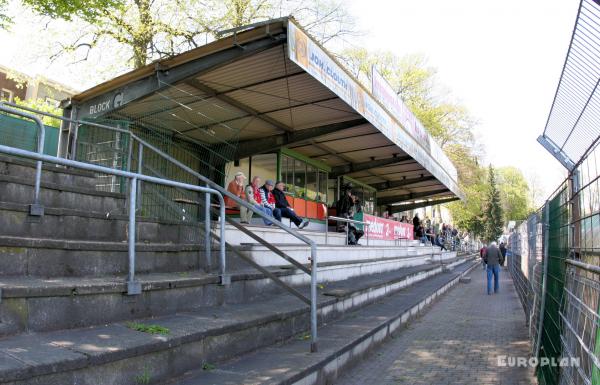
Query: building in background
x,y
15,85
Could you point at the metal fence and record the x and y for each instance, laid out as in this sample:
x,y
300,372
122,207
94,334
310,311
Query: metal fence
x,y
555,265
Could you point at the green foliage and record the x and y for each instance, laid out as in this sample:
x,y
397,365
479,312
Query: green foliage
x,y
5,20
42,105
494,218
154,29
514,193
208,366
150,329
88,10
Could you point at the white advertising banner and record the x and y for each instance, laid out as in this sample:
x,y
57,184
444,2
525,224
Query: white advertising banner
x,y
410,136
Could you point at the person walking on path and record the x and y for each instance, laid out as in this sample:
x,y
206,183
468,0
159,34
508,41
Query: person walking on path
x,y
503,252
482,252
493,258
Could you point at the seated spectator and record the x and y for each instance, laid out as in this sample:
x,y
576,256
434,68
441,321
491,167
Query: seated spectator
x,y
236,187
253,197
283,208
268,199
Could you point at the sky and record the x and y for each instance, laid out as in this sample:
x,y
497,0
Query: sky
x,y
502,60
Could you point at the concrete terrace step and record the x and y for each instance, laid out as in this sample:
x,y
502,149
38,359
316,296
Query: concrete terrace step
x,y
57,258
277,235
25,169
342,343
331,253
62,303
117,354
19,190
88,225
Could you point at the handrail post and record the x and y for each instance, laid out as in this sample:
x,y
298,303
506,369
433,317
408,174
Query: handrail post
x,y
133,287
207,237
225,278
35,209
140,171
313,298
326,229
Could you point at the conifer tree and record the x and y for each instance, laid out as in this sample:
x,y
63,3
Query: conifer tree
x,y
493,210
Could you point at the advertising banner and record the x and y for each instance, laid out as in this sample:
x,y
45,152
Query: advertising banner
x,y
381,228
411,138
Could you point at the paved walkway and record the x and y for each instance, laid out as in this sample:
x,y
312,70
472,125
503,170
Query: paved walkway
x,y
456,342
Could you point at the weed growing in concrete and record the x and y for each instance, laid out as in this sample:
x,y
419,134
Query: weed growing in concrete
x,y
208,366
150,329
144,378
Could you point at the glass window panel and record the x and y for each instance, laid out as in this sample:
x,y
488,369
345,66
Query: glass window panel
x,y
287,173
300,178
264,166
332,191
312,180
322,197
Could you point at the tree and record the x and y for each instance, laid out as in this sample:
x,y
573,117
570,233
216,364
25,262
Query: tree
x,y
5,20
493,209
154,29
514,193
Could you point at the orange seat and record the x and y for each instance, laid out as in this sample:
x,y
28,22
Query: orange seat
x,y
300,206
321,211
311,209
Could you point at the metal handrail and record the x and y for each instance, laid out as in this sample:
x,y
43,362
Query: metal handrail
x,y
340,219
583,265
133,287
142,143
36,208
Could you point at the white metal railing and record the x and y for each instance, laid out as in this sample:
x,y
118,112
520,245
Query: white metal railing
x,y
346,220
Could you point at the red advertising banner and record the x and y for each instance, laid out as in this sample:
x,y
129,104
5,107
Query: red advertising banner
x,y
380,228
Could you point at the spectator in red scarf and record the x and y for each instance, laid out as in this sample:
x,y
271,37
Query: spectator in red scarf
x,y
253,197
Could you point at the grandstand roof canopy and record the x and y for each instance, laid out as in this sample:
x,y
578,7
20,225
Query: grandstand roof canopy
x,y
271,85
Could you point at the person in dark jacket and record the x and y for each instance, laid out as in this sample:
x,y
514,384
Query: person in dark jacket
x,y
503,252
344,207
284,209
492,258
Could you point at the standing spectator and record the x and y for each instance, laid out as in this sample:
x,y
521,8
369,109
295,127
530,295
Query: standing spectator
x,y
440,242
283,208
254,198
493,257
416,222
503,252
236,187
420,234
344,207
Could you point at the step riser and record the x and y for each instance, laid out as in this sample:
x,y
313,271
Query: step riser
x,y
325,255
27,173
73,227
67,310
331,369
56,263
277,236
20,193
177,359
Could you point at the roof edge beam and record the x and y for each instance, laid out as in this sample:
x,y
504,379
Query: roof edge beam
x,y
418,205
400,183
275,142
556,152
355,167
400,198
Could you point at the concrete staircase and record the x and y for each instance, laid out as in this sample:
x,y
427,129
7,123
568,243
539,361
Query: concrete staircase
x,y
65,317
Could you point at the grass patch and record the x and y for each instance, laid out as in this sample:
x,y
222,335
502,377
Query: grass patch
x,y
208,366
150,329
